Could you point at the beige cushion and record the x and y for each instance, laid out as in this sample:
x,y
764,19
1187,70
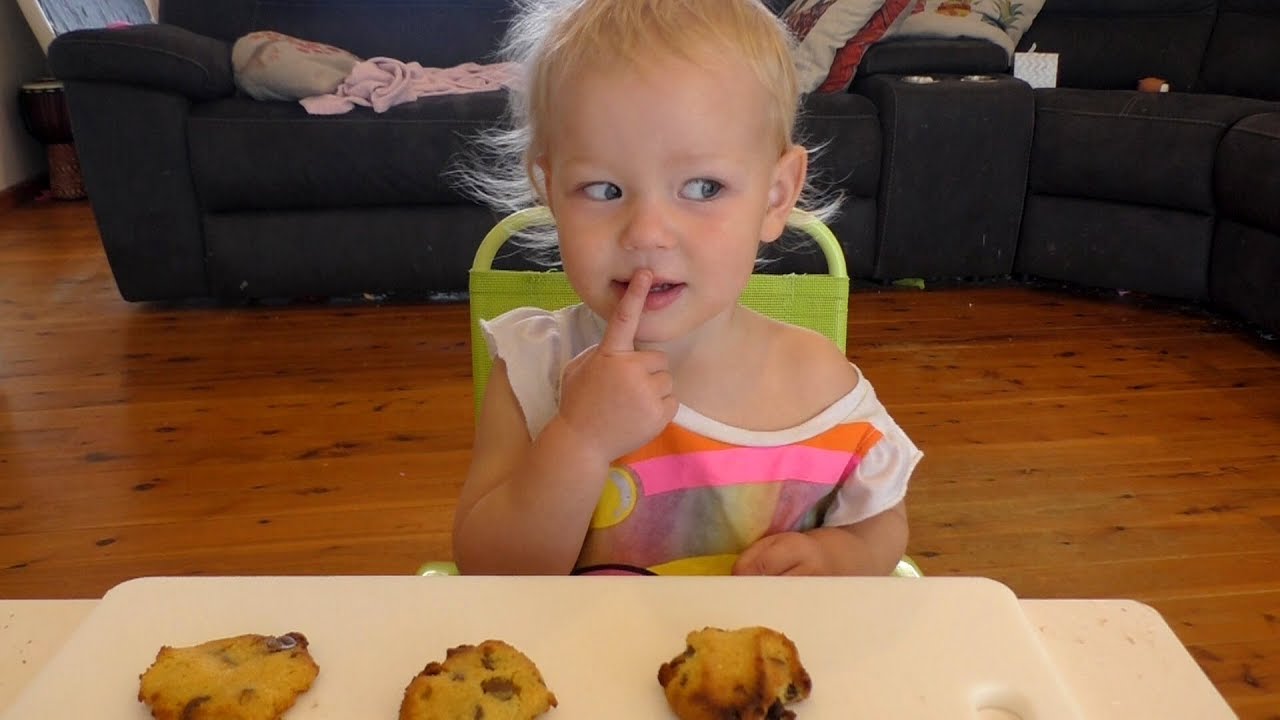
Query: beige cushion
x,y
271,66
1002,22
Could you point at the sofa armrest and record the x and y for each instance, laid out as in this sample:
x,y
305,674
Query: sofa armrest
x,y
921,56
156,57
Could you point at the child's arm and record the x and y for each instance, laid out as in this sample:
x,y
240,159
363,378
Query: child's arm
x,y
869,547
527,503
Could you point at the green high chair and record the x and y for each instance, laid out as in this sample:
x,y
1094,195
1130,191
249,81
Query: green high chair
x,y
816,301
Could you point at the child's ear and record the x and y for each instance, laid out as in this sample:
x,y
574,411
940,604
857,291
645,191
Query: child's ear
x,y
540,176
784,191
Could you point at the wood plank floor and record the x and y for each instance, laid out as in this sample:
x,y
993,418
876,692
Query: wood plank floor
x,y
1076,446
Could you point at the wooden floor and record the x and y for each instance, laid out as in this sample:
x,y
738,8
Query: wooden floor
x,y
1075,446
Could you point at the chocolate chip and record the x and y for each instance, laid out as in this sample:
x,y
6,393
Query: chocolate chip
x,y
500,687
193,706
288,641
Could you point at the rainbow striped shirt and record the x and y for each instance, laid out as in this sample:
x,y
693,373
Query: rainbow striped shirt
x,y
700,492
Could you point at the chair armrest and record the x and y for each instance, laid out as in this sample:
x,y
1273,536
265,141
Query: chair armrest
x,y
157,57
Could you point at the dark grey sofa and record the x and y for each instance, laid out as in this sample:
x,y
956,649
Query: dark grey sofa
x,y
202,192
199,192
1136,191
1168,194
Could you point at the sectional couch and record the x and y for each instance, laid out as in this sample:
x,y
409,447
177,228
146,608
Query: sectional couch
x,y
200,192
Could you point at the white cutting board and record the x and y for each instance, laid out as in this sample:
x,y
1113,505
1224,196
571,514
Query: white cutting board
x,y
876,648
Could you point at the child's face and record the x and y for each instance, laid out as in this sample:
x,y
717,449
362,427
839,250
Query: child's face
x,y
677,168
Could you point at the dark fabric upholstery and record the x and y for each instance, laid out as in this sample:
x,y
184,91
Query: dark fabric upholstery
x,y
161,57
132,144
955,175
1248,172
1111,44
910,56
854,227
436,33
1154,149
1244,53
1116,245
344,251
224,19
247,154
845,131
1245,273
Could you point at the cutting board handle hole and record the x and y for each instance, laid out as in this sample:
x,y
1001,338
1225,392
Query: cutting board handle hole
x,y
996,703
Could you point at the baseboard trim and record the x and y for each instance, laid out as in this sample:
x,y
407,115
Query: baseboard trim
x,y
23,193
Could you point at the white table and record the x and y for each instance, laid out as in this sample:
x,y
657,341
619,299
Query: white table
x,y
1119,656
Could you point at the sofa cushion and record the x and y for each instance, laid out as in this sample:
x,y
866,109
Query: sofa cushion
x,y
845,131
1111,44
1245,272
247,154
1247,175
999,23
1152,149
1244,53
272,66
1119,245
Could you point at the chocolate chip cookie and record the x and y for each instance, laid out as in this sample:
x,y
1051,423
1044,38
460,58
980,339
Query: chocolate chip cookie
x,y
748,674
247,677
489,681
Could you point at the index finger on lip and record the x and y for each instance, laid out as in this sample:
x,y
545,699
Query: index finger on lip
x,y
620,334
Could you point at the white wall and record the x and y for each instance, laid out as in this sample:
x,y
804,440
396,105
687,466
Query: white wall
x,y
21,157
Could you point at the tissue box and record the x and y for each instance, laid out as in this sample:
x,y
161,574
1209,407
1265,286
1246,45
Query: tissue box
x,y
1037,69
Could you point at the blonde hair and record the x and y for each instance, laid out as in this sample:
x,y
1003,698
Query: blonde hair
x,y
554,39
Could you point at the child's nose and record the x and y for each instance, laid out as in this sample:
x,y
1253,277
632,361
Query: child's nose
x,y
647,227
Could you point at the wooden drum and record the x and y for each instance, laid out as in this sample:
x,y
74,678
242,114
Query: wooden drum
x,y
44,111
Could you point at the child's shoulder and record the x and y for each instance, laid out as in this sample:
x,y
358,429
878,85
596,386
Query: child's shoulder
x,y
810,372
813,356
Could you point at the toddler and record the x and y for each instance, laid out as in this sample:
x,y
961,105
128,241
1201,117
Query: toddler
x,y
659,427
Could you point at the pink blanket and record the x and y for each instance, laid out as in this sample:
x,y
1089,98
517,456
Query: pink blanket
x,y
382,82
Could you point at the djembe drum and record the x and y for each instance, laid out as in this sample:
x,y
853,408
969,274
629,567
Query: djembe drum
x,y
44,111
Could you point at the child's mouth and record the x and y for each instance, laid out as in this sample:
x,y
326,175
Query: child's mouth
x,y
660,294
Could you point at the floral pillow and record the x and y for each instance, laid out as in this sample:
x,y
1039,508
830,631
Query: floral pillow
x,y
272,66
891,15
821,29
1002,22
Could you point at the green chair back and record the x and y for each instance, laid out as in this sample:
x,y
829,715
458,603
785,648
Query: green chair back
x,y
818,302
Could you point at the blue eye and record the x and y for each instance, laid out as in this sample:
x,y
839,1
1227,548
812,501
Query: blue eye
x,y
602,191
701,189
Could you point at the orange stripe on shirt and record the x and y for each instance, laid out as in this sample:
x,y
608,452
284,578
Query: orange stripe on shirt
x,y
856,437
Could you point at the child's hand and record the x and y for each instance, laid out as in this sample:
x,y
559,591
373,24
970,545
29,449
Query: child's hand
x,y
788,553
615,397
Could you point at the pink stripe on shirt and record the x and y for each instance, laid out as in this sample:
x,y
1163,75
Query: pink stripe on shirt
x,y
743,465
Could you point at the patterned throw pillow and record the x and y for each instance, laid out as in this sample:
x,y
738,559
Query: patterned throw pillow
x,y
272,66
821,29
891,15
1000,21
